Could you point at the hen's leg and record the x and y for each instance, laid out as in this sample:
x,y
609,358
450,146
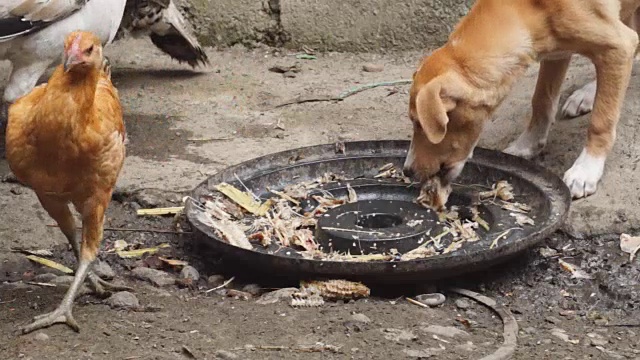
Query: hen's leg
x,y
62,215
92,227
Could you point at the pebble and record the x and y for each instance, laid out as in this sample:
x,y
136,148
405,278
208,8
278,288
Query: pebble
x,y
468,346
215,280
447,331
553,320
41,336
372,68
226,355
463,304
62,280
253,289
156,277
150,198
189,272
433,299
123,300
422,354
530,330
398,335
361,318
103,270
597,339
45,278
275,296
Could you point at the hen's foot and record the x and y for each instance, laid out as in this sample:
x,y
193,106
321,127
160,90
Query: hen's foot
x,y
61,315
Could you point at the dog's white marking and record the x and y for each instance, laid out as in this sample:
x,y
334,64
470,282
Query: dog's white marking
x,y
582,178
408,162
581,101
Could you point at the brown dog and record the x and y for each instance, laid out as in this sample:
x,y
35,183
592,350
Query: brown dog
x,y
457,88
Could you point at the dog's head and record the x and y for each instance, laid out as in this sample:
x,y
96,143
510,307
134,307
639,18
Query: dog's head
x,y
447,114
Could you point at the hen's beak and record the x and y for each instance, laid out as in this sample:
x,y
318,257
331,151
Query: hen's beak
x,y
69,61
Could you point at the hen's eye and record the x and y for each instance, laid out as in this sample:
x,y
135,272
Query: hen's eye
x,y
89,50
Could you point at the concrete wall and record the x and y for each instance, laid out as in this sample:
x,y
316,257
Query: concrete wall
x,y
327,25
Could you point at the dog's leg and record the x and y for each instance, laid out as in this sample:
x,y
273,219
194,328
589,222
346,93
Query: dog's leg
x,y
580,102
612,51
544,105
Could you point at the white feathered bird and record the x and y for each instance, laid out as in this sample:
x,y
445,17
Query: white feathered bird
x,y
32,32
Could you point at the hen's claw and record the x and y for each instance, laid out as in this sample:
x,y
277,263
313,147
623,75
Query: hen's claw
x,y
104,288
61,315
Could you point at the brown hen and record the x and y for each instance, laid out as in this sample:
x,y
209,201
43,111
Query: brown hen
x,y
66,141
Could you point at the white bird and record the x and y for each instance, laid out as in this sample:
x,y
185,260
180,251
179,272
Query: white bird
x,y
32,33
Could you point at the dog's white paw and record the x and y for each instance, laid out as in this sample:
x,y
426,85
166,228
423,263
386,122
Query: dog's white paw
x,y
581,101
527,145
583,177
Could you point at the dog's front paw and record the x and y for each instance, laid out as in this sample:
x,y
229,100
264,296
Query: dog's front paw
x,y
526,146
581,101
583,177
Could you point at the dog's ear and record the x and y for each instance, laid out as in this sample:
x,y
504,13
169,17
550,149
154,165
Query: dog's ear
x,y
433,102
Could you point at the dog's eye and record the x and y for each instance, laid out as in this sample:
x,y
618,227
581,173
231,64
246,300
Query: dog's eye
x,y
89,50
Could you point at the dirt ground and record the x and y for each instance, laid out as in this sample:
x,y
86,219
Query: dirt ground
x,y
185,125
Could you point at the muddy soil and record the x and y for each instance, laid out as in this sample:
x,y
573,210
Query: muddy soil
x,y
184,125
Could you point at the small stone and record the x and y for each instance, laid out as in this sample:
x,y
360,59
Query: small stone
x,y
562,335
40,336
468,346
225,355
189,272
275,296
62,280
16,191
472,314
156,277
44,278
123,300
546,341
553,320
149,198
253,289
372,68
463,304
215,280
530,330
103,270
447,331
597,339
422,354
361,318
398,335
601,322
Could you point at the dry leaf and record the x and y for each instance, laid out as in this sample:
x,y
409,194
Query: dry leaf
x,y
630,245
244,199
502,189
139,252
41,252
575,272
338,289
522,220
174,262
353,197
50,263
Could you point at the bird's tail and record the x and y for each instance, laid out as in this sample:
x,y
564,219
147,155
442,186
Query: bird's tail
x,y
169,32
